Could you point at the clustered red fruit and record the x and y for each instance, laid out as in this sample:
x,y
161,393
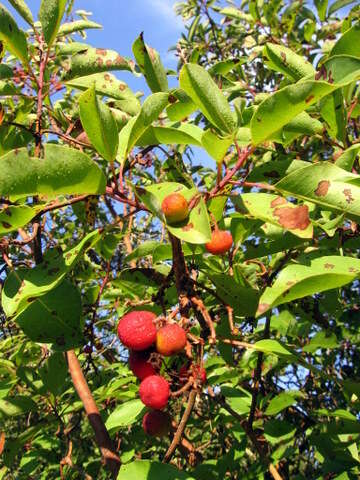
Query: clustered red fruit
x,y
154,392
175,208
137,331
170,339
140,365
156,423
221,242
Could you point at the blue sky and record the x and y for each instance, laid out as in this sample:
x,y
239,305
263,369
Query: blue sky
x,y
122,22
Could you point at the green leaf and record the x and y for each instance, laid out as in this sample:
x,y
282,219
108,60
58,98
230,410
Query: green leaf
x,y
77,26
243,300
148,470
125,414
14,217
348,157
169,136
15,406
276,431
238,399
24,286
348,44
21,7
204,92
99,124
54,372
108,85
63,170
325,184
321,6
216,146
181,106
284,60
13,38
282,401
273,347
276,210
94,60
285,104
322,340
150,65
136,127
196,228
50,15
338,4
54,318
298,281
332,110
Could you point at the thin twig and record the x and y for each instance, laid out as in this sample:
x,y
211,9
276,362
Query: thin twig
x,y
180,430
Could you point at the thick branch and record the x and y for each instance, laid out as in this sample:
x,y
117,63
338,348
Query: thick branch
x,y
101,434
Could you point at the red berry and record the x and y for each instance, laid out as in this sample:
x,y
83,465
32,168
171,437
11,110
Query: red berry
x,y
170,339
175,208
221,242
137,330
156,423
140,365
154,392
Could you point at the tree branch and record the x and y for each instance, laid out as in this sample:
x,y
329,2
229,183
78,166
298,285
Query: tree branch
x,y
180,430
103,439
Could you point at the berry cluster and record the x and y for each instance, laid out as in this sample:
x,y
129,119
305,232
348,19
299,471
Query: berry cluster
x,y
176,209
137,331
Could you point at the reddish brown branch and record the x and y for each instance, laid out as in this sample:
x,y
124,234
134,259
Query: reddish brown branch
x,y
180,430
242,157
103,440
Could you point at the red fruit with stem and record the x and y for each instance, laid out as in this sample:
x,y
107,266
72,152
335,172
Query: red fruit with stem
x,y
154,392
156,423
170,339
175,208
140,366
221,242
137,330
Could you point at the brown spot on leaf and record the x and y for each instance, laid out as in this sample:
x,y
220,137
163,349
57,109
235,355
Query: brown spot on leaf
x,y
329,266
348,195
119,60
293,218
107,77
100,61
309,98
187,227
122,86
6,225
263,307
7,212
172,99
353,269
109,63
278,201
31,299
101,51
322,188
